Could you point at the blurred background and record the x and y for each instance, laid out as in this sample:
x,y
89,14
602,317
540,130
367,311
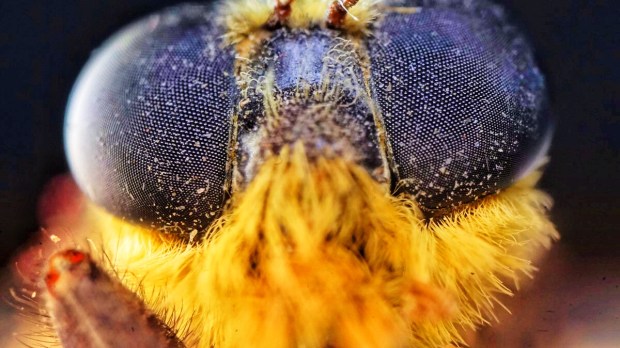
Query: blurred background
x,y
44,44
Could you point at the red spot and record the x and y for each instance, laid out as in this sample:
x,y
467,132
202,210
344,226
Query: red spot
x,y
74,256
51,278
60,263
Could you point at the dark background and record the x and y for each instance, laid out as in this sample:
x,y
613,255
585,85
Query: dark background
x,y
44,44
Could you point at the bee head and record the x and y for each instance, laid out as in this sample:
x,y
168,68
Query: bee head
x,y
361,172
441,101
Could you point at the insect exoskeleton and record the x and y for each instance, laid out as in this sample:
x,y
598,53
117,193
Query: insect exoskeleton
x,y
360,172
441,99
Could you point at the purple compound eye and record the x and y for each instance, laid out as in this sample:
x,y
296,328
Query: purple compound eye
x,y
452,85
463,102
148,123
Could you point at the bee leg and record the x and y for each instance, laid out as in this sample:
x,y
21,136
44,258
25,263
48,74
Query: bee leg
x,y
91,309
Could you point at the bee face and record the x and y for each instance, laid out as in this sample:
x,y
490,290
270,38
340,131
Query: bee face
x,y
442,102
294,134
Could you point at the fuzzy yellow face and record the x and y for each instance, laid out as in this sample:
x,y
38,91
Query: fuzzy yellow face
x,y
302,173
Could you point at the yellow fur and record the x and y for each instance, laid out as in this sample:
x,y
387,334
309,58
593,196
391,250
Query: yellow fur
x,y
318,253
244,17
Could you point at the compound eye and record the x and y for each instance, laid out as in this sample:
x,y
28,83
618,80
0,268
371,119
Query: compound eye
x,y
148,122
462,101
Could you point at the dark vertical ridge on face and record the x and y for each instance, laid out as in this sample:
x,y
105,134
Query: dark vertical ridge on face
x,y
148,124
315,81
461,98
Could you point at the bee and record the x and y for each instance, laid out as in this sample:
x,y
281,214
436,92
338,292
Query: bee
x,y
302,173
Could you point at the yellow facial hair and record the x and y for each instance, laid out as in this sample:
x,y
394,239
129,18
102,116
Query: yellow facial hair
x,y
316,253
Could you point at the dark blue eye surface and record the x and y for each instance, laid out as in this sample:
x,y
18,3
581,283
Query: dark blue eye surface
x,y
148,124
462,100
442,98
